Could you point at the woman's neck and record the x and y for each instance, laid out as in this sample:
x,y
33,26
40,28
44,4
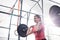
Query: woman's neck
x,y
38,23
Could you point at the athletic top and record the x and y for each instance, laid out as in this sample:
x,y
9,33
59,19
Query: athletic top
x,y
39,34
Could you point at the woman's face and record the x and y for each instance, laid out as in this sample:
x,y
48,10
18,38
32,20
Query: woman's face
x,y
36,19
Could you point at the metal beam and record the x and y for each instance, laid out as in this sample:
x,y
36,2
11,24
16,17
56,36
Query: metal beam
x,y
9,13
4,27
11,19
17,9
13,14
34,4
35,1
39,6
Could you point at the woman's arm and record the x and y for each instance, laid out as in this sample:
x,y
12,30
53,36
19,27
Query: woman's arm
x,y
29,31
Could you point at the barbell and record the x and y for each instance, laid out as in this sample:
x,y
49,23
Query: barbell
x,y
22,30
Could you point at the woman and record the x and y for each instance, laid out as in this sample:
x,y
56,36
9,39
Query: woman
x,y
37,29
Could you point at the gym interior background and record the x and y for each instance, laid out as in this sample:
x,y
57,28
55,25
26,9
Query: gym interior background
x,y
11,9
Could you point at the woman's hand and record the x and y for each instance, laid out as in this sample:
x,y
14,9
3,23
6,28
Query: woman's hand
x,y
15,32
29,31
38,28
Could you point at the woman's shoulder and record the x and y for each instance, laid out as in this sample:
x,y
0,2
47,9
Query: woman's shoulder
x,y
32,26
